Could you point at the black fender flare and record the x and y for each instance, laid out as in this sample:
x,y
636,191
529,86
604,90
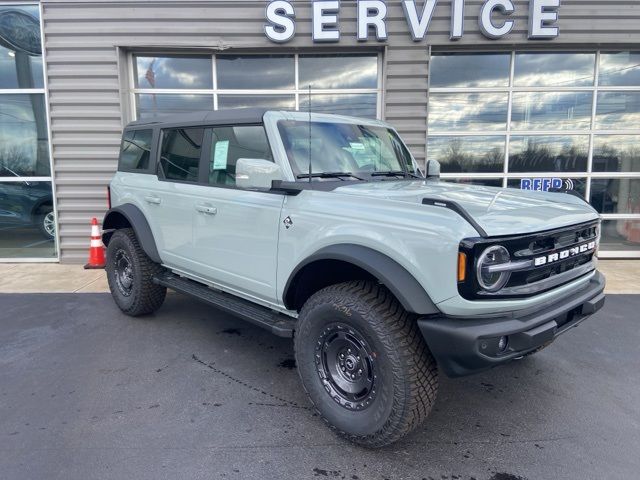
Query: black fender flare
x,y
137,220
390,273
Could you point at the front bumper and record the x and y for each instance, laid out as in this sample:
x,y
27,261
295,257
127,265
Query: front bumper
x,y
463,346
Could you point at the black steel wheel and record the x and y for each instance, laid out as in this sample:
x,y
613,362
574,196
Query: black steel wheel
x,y
123,271
345,364
364,364
130,272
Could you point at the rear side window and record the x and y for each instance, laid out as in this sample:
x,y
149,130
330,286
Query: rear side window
x,y
180,155
228,144
135,151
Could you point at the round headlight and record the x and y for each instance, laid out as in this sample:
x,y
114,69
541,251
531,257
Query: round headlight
x,y
492,279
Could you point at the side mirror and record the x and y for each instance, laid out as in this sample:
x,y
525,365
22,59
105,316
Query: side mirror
x,y
256,173
433,168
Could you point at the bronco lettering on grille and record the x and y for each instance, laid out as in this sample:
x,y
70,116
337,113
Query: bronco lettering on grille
x,y
564,254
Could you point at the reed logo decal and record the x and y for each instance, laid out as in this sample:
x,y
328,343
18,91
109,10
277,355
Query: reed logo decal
x,y
546,184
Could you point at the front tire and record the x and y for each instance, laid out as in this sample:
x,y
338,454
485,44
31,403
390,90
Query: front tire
x,y
130,272
364,363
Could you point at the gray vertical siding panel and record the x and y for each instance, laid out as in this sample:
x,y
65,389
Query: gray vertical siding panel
x,y
82,38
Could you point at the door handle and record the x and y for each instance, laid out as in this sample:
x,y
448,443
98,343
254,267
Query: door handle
x,y
207,209
153,200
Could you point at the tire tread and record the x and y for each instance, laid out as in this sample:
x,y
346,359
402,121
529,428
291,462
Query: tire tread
x,y
149,296
413,365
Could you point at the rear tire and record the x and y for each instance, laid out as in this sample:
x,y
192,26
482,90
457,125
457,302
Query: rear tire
x,y
130,272
364,364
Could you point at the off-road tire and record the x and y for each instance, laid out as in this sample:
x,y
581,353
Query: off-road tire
x,y
407,374
145,296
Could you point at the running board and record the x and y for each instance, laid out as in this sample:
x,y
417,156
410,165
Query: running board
x,y
277,323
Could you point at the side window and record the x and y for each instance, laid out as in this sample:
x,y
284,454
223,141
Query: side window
x,y
135,150
180,156
228,144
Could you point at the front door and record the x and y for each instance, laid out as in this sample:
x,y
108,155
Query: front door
x,y
235,231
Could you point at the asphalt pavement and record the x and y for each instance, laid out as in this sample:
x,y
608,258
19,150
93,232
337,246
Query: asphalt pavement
x,y
86,392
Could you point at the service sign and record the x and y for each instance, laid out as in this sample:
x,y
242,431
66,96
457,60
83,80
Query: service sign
x,y
495,19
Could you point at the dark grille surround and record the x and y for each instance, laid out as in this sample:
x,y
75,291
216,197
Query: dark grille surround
x,y
545,251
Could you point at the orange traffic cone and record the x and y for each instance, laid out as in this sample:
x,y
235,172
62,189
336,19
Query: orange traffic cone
x,y
96,248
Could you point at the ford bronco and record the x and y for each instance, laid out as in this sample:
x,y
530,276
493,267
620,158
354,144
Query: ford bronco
x,y
323,228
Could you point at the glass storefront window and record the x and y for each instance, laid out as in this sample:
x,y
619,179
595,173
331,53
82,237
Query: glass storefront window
x,y
27,216
616,195
551,111
620,235
285,102
20,48
340,83
616,153
151,104
468,154
183,72
620,69
359,105
27,221
459,70
575,119
338,71
554,69
24,143
548,154
618,110
255,72
467,111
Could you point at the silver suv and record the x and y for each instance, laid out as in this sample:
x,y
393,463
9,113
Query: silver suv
x,y
324,229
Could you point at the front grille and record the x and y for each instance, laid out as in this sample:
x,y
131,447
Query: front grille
x,y
559,239
556,257
554,242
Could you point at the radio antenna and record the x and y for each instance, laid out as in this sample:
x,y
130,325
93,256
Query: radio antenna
x,y
309,109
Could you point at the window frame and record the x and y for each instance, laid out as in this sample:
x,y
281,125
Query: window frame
x,y
47,178
205,160
205,153
296,92
151,168
160,173
592,132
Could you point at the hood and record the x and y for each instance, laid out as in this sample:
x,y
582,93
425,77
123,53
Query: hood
x,y
499,211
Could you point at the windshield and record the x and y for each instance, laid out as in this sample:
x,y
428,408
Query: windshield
x,y
344,148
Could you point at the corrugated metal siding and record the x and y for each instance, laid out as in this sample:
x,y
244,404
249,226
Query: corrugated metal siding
x,y
82,36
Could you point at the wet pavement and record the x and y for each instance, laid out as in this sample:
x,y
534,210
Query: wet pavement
x,y
193,393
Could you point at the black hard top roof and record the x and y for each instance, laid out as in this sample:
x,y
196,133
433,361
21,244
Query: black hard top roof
x,y
218,117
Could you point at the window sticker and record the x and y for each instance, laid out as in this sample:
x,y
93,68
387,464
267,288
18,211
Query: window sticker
x,y
356,146
220,154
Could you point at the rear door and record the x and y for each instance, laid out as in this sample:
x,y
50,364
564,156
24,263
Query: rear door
x,y
235,231
171,200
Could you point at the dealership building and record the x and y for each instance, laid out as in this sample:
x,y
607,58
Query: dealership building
x,y
513,93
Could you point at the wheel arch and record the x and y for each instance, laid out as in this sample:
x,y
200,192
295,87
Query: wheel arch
x,y
44,202
130,216
346,262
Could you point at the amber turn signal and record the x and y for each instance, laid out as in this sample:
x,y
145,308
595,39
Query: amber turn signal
x,y
462,266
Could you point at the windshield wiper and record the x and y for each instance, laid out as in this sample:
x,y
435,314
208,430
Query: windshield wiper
x,y
339,175
394,173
